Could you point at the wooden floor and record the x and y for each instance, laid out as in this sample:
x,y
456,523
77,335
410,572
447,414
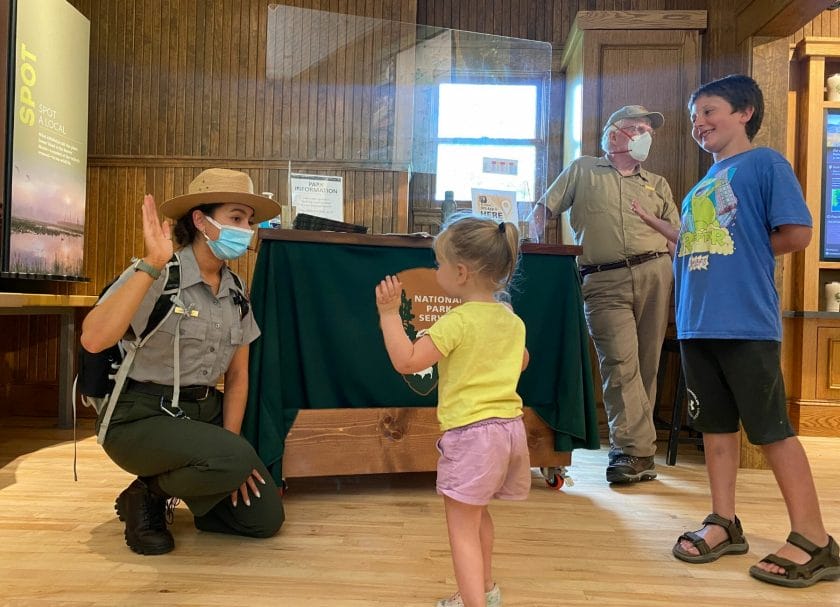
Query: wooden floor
x,y
381,540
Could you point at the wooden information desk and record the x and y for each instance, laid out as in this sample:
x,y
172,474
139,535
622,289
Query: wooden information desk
x,y
25,304
324,398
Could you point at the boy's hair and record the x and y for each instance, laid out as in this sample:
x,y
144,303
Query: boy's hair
x,y
487,247
741,92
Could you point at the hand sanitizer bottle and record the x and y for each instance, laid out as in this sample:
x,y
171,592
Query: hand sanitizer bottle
x,y
448,206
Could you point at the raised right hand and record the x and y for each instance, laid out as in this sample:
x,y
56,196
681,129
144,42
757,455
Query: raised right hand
x,y
388,295
156,234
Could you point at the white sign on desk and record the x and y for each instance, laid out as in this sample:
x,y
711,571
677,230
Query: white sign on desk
x,y
319,195
496,204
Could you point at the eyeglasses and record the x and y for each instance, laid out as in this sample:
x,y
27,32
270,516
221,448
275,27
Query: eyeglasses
x,y
636,129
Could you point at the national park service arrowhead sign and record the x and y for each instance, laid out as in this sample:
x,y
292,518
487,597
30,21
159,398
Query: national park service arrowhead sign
x,y
422,303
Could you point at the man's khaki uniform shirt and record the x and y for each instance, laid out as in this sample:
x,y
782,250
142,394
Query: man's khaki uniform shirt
x,y
208,339
601,217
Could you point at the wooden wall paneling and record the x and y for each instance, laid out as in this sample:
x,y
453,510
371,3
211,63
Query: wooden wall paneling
x,y
306,116
351,59
376,59
241,114
365,98
722,52
362,193
254,80
778,17
328,105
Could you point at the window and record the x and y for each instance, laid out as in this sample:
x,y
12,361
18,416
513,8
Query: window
x,y
488,137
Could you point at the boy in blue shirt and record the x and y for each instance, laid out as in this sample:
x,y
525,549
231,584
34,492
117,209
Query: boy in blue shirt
x,y
746,210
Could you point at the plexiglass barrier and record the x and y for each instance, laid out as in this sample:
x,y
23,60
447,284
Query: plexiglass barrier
x,y
464,114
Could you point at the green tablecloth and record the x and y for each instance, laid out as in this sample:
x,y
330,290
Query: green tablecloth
x,y
321,346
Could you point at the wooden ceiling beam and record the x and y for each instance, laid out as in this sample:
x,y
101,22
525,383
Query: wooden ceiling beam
x,y
776,17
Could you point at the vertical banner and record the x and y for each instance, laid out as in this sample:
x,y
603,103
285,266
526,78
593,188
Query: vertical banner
x,y
48,163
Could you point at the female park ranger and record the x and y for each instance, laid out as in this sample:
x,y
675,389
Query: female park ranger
x,y
170,426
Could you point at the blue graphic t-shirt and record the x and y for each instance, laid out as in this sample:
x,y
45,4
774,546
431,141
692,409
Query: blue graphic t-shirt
x,y
724,263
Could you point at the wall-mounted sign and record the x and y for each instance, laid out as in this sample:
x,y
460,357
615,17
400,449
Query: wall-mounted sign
x,y
500,166
47,167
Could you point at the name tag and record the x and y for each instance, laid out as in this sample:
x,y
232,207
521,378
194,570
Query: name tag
x,y
191,313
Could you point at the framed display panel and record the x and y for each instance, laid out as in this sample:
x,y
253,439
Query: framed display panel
x,y
830,216
46,142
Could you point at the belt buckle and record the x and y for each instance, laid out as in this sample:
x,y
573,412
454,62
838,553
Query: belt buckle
x,y
176,414
206,394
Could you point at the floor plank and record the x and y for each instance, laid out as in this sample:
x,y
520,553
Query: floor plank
x,y
381,540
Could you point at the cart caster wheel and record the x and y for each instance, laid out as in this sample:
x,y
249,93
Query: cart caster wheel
x,y
555,482
556,478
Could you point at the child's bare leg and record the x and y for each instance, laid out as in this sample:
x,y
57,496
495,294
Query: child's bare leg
x,y
790,465
463,521
723,452
487,534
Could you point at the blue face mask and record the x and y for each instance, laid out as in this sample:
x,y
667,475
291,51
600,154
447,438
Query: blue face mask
x,y
232,241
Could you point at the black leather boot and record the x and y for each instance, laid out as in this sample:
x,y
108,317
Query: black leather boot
x,y
144,514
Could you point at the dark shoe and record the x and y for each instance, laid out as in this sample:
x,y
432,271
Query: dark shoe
x,y
144,514
625,468
735,543
824,564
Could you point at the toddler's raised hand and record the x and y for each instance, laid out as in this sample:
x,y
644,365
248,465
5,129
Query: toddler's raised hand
x,y
388,293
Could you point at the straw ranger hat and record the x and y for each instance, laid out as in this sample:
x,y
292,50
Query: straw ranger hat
x,y
218,186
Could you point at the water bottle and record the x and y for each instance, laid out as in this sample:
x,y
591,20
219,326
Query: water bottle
x,y
448,206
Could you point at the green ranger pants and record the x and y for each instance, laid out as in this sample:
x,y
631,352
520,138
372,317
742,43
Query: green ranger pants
x,y
194,459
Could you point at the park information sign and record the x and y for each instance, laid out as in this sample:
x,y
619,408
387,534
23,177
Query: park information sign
x,y
48,163
319,195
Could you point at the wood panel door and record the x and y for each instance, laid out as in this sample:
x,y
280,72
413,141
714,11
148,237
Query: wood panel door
x,y
651,58
655,68
828,363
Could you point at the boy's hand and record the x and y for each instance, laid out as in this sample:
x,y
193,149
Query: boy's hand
x,y
388,293
641,211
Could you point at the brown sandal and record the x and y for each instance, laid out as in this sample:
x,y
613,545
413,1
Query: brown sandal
x,y
736,543
824,564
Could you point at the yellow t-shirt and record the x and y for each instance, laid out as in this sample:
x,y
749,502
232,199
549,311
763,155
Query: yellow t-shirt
x,y
482,345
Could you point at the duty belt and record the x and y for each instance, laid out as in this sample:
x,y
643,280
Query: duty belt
x,y
190,393
631,261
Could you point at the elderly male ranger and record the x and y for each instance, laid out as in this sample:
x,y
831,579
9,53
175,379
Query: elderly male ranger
x,y
627,277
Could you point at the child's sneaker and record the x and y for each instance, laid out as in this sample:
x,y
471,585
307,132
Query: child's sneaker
x,y
493,598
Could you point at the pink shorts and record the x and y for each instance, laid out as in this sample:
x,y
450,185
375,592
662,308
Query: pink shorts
x,y
484,460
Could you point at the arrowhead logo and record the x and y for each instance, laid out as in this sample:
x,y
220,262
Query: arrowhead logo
x,y
423,302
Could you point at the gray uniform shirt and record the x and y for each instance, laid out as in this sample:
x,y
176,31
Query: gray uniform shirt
x,y
601,218
208,340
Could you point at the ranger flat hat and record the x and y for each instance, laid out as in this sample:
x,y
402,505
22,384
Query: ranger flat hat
x,y
218,186
636,111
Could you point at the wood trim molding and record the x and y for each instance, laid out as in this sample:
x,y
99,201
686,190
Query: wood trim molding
x,y
776,17
244,163
628,20
640,20
817,46
397,240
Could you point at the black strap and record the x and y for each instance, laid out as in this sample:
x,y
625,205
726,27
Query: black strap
x,y
239,297
164,302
